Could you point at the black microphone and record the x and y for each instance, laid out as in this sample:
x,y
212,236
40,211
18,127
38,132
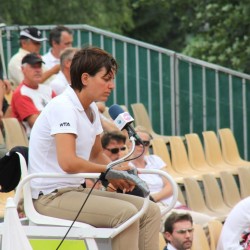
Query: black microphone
x,y
123,120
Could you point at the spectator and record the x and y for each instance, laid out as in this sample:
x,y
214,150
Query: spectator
x,y
30,42
160,188
68,132
179,231
62,79
60,38
236,223
30,97
114,144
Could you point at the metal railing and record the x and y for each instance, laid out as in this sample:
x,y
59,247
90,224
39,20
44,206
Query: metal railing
x,y
181,94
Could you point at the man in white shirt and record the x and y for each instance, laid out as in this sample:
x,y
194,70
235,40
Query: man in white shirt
x,y
60,38
30,42
30,97
62,79
179,231
236,223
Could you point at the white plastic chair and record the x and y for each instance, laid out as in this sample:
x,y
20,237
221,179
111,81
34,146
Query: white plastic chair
x,y
82,230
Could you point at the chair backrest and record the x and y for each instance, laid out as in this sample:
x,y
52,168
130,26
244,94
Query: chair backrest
x,y
14,133
196,153
213,195
179,156
199,239
244,177
160,148
212,148
230,149
230,189
141,116
214,230
195,200
162,242
181,197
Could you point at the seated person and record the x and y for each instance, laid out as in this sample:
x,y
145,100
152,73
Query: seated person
x,y
70,125
160,189
114,144
60,82
178,231
236,223
30,42
30,97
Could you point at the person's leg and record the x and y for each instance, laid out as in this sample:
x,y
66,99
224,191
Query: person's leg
x,y
99,211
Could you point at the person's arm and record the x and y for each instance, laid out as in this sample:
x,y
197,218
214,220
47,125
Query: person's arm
x,y
165,192
48,73
71,163
31,119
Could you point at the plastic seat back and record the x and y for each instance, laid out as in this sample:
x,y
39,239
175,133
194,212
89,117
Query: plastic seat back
x,y
196,154
230,149
141,116
14,133
213,195
160,149
179,157
212,148
199,239
244,177
214,229
230,190
195,200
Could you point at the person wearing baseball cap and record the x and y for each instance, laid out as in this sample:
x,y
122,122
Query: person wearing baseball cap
x,y
32,33
30,97
30,42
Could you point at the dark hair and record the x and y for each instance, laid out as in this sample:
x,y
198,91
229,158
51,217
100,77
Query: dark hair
x,y
90,60
114,135
55,34
176,217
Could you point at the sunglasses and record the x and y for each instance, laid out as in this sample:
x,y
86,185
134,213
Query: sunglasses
x,y
145,143
183,231
115,150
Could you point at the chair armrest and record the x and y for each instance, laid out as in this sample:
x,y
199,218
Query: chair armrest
x,y
172,183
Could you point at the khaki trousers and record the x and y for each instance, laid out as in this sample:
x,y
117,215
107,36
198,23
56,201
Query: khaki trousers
x,y
106,209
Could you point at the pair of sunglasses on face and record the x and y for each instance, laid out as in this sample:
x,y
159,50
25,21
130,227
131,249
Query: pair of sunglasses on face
x,y
116,150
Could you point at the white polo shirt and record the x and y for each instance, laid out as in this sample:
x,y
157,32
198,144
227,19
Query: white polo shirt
x,y
59,83
14,67
49,60
63,114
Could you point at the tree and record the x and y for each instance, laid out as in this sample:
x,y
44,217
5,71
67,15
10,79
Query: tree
x,y
107,15
210,30
222,34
